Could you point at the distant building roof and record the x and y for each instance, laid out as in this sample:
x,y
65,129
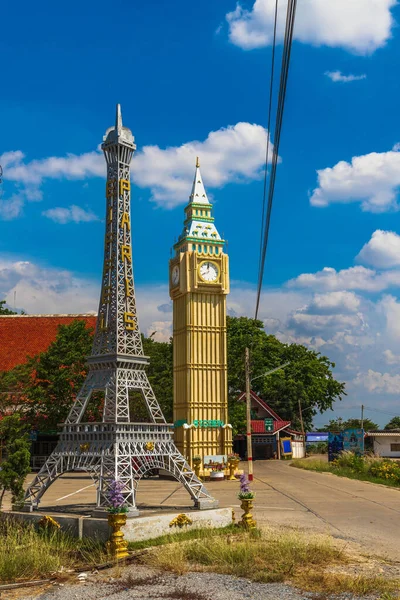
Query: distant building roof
x,y
22,336
258,426
383,433
262,403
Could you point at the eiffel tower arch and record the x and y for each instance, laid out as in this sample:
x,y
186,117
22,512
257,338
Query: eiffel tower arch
x,y
115,448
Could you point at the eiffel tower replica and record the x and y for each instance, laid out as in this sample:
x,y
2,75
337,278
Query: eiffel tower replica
x,y
116,449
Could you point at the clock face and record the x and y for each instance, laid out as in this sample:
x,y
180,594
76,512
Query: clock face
x,y
175,275
208,271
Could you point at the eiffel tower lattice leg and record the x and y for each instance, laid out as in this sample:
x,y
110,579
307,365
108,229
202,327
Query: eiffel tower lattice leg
x,y
95,380
58,463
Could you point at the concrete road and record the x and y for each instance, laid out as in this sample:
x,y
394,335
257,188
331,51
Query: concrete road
x,y
360,512
357,511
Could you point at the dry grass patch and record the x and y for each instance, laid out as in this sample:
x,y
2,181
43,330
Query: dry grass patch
x,y
275,555
26,553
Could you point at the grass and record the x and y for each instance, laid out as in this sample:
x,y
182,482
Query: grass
x,y
183,536
359,470
272,556
26,553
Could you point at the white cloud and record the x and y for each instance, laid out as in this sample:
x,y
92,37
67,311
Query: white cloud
x,y
305,323
390,308
234,154
338,77
354,278
360,26
334,303
71,166
391,358
45,290
382,250
12,207
74,214
372,179
377,382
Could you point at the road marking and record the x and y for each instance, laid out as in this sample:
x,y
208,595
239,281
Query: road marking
x,y
77,492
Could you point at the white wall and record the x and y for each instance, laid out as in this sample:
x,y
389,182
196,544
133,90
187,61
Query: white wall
x,y
298,450
382,446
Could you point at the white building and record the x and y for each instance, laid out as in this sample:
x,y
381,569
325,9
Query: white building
x,y
386,443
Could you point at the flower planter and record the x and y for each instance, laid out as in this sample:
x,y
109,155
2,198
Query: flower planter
x,y
233,465
117,546
217,476
247,520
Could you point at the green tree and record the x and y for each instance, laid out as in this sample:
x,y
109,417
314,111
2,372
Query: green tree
x,y
57,374
15,447
4,310
308,378
393,423
339,424
161,372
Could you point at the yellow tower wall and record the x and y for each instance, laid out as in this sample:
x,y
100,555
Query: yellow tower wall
x,y
200,359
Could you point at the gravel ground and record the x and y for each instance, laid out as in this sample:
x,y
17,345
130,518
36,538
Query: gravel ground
x,y
148,584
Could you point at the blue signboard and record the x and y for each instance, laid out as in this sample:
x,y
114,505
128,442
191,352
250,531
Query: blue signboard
x,y
286,445
353,440
335,444
314,437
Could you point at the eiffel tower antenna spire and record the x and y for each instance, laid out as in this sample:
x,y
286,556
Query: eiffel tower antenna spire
x,y
118,118
116,448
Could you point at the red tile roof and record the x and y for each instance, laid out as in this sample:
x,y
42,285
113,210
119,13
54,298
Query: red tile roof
x,y
259,426
261,402
26,335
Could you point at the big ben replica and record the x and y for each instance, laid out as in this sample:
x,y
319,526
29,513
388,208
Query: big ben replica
x,y
199,283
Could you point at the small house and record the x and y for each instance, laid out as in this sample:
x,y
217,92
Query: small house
x,y
267,432
386,443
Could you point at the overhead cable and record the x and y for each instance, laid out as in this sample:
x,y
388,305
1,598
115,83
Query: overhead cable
x,y
287,47
271,86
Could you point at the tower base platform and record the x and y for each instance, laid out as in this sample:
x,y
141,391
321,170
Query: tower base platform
x,y
151,524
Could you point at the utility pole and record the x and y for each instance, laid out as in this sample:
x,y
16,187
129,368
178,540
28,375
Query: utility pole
x,y
302,427
362,416
248,415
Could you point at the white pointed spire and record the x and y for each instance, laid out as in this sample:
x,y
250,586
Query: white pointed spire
x,y
118,119
198,194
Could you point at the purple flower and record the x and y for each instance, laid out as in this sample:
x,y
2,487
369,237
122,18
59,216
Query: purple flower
x,y
114,494
244,484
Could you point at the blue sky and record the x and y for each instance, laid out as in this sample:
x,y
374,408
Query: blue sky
x,y
196,82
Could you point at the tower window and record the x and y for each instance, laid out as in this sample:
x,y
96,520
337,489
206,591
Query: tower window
x,y
217,250
193,247
199,248
211,249
204,248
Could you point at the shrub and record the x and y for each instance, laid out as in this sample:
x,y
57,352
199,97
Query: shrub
x,y
349,460
318,448
385,469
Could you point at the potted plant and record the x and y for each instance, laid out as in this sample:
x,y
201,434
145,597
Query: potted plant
x,y
197,460
233,461
217,472
117,519
246,496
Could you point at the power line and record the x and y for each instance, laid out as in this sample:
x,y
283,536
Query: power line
x,y
271,86
290,17
384,412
